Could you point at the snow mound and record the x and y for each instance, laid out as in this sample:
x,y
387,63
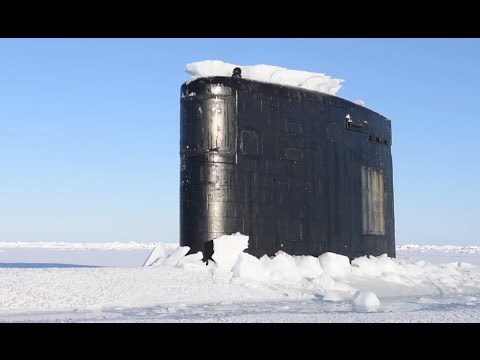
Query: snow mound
x,y
331,276
171,260
227,248
334,264
282,267
365,300
324,282
250,268
176,256
192,262
308,266
269,74
158,252
375,266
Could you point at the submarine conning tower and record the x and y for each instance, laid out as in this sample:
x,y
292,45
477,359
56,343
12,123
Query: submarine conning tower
x,y
296,170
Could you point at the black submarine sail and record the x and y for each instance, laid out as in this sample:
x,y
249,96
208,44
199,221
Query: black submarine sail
x,y
296,170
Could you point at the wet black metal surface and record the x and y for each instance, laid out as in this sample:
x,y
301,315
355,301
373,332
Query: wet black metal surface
x,y
296,170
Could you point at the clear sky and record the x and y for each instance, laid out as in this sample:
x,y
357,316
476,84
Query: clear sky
x,y
89,130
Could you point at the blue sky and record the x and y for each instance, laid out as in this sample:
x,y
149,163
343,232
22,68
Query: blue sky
x,y
89,130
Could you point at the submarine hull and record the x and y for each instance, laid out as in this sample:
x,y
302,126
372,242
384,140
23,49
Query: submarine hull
x,y
296,170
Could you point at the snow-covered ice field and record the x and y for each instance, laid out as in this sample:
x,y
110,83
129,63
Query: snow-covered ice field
x,y
45,282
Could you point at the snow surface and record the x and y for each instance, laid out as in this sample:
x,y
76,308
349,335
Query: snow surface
x,y
440,248
280,289
268,73
81,246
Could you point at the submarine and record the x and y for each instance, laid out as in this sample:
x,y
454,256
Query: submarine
x,y
296,170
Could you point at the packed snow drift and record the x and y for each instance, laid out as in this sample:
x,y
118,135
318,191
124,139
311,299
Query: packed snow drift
x,y
334,274
235,286
268,73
